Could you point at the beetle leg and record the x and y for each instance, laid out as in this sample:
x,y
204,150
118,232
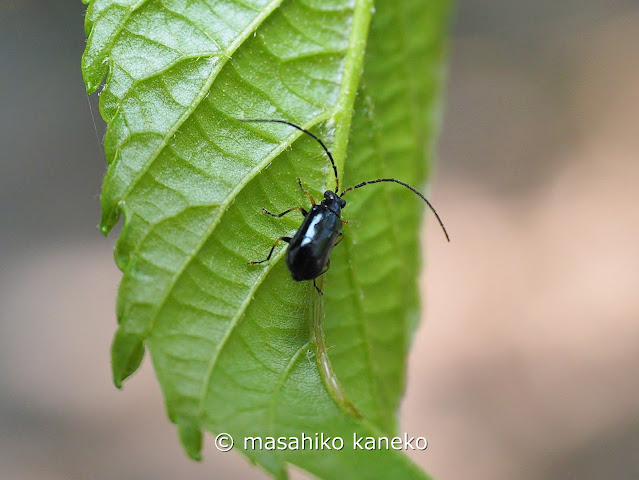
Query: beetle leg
x,y
281,239
278,215
299,182
328,265
340,237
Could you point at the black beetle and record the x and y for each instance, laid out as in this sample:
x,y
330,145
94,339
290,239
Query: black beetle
x,y
309,250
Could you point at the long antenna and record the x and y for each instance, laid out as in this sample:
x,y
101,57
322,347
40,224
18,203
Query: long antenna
x,y
330,157
359,185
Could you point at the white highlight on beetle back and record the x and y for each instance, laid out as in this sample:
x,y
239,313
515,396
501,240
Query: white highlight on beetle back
x,y
310,233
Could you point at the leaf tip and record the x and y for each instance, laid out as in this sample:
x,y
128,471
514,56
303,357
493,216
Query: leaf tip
x,y
117,381
191,438
127,352
108,220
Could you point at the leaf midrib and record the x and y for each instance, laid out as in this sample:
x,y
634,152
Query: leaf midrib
x,y
353,66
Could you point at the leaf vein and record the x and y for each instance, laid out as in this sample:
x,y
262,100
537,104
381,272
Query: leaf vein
x,y
204,90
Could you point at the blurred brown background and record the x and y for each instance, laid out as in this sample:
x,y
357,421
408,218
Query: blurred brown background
x,y
527,363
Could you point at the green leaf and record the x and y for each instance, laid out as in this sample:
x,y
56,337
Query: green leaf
x,y
231,343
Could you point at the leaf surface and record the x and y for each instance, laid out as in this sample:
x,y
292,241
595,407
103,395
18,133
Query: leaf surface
x,y
230,341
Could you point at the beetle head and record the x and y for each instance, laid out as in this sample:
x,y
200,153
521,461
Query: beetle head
x,y
331,197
